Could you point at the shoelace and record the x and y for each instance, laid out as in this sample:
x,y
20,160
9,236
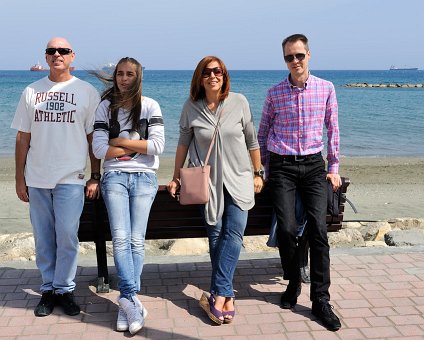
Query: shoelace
x,y
328,309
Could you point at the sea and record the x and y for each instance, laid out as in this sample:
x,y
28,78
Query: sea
x,y
374,122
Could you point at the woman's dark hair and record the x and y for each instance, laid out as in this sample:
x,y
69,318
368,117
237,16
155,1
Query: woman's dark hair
x,y
130,99
197,91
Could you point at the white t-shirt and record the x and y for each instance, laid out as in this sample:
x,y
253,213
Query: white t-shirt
x,y
59,117
155,136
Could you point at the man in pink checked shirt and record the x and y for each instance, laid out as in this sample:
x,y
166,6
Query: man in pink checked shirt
x,y
291,140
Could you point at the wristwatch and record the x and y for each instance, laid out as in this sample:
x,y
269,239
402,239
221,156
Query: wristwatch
x,y
260,173
96,176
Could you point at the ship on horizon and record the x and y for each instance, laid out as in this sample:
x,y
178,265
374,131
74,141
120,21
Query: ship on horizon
x,y
38,68
109,68
404,68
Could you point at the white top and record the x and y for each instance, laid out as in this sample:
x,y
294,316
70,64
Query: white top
x,y
152,131
59,117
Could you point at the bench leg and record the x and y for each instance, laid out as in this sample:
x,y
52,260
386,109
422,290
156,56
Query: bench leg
x,y
102,271
303,257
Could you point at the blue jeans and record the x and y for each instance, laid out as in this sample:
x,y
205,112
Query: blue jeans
x,y
225,241
128,198
55,215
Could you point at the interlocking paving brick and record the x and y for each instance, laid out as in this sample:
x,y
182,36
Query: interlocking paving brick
x,y
407,319
411,330
356,322
380,332
376,296
350,334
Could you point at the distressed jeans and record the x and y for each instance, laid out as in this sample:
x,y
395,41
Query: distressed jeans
x,y
128,198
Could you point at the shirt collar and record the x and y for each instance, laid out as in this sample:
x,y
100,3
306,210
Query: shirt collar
x,y
292,87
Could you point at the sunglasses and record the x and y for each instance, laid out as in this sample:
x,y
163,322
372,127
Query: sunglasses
x,y
290,57
217,71
61,50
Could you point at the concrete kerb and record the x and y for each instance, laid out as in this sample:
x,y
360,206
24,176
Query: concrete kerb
x,y
90,260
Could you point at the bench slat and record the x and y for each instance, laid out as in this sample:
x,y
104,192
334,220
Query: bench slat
x,y
170,220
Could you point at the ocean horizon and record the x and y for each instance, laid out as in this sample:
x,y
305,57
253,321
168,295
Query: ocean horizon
x,y
374,122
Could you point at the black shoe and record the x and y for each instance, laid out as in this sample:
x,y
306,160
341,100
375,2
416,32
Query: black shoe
x,y
289,298
68,304
324,312
46,305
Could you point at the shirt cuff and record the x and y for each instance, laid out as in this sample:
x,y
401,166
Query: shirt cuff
x,y
333,168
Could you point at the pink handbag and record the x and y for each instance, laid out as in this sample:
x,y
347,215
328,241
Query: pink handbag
x,y
194,185
194,181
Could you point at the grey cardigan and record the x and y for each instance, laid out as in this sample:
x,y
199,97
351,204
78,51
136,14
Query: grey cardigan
x,y
229,160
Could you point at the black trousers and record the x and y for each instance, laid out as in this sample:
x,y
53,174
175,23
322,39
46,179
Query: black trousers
x,y
307,175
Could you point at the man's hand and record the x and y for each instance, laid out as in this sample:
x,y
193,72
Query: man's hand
x,y
92,189
335,180
22,189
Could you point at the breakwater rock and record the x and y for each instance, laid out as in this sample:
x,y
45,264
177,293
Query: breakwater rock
x,y
395,232
385,85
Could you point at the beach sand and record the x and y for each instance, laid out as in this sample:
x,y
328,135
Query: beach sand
x,y
381,189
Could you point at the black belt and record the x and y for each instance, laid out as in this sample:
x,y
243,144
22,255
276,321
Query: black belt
x,y
298,158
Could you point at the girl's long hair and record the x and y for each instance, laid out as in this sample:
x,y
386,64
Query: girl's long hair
x,y
130,99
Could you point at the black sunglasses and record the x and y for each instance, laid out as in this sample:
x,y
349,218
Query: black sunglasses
x,y
61,50
217,71
290,57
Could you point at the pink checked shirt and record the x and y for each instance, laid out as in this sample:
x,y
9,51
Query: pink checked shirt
x,y
293,119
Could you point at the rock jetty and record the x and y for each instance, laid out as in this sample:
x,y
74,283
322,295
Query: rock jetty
x,y
382,85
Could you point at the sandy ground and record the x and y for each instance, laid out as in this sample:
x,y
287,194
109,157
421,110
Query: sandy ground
x,y
381,189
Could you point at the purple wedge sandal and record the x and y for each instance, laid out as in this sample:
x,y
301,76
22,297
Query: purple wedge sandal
x,y
229,315
208,305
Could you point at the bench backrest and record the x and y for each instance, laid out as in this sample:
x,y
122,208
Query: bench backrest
x,y
170,220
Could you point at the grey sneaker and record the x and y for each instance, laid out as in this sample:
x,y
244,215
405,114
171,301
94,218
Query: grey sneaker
x,y
135,321
122,322
141,308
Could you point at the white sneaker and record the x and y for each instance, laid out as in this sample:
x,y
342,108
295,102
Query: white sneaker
x,y
121,322
141,308
135,321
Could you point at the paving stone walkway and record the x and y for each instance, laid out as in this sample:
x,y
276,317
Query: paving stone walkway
x,y
378,295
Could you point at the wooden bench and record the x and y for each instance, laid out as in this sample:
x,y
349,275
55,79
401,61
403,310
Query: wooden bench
x,y
170,220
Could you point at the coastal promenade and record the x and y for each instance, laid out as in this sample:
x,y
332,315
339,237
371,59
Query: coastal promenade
x,y
377,292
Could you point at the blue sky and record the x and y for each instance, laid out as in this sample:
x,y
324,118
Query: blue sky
x,y
246,34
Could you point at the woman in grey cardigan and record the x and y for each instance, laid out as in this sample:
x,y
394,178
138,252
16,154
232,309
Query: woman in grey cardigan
x,y
232,185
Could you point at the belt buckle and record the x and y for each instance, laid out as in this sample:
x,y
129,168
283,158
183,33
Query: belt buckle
x,y
298,158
